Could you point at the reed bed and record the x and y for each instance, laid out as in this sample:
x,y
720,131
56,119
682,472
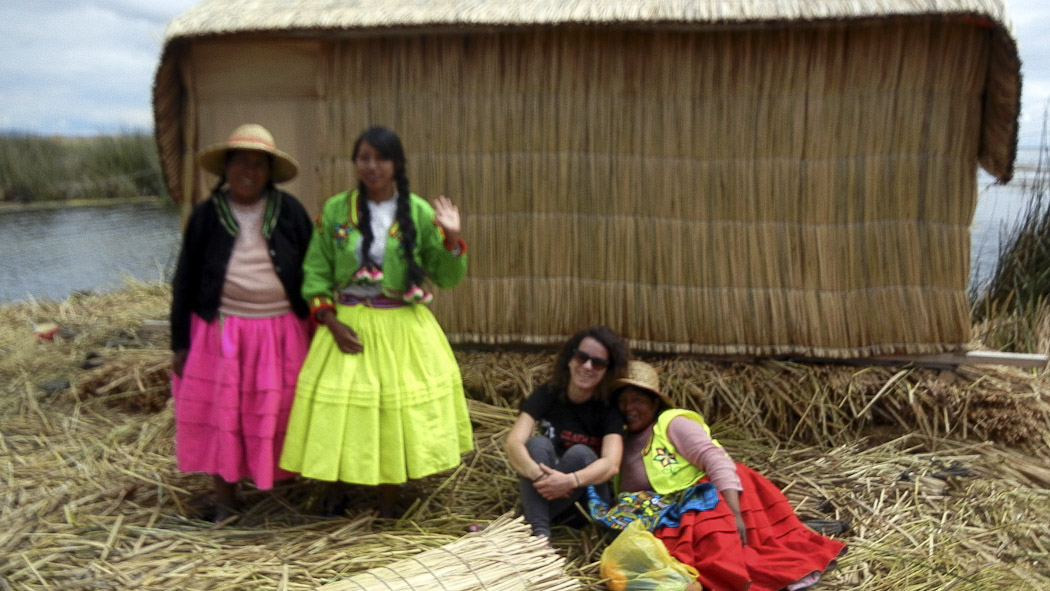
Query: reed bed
x,y
90,496
1011,307
817,404
39,169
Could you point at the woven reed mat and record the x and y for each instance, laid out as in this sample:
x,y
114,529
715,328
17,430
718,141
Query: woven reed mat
x,y
504,556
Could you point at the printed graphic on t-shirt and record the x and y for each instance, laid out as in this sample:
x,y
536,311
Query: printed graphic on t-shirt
x,y
572,438
547,429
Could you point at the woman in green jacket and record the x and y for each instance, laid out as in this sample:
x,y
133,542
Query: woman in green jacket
x,y
379,399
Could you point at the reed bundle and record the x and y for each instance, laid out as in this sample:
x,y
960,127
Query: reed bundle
x,y
90,496
503,557
1011,308
815,404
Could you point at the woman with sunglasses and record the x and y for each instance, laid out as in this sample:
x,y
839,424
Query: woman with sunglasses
x,y
580,434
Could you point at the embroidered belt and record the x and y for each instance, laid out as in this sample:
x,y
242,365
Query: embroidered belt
x,y
380,302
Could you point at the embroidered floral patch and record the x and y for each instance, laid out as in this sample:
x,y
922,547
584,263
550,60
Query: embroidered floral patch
x,y
340,233
665,458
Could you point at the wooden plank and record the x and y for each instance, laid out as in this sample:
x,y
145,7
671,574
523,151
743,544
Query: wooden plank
x,y
1025,360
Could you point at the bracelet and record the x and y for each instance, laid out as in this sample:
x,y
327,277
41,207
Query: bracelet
x,y
542,474
577,477
457,248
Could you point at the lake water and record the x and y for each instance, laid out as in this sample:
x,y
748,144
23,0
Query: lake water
x,y
999,210
52,253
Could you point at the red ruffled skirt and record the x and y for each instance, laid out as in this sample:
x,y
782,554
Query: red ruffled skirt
x,y
235,394
780,550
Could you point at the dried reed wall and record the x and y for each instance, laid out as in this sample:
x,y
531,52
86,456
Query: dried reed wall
x,y
793,190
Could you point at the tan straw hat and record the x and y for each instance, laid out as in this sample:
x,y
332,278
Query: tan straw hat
x,y
642,375
250,136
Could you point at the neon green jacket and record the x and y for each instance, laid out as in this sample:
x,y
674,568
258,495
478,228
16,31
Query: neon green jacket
x,y
331,258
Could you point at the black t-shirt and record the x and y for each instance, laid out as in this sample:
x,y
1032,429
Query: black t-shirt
x,y
568,423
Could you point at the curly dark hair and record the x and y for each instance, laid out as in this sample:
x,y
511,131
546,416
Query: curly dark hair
x,y
619,354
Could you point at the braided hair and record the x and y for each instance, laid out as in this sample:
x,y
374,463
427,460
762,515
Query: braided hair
x,y
386,142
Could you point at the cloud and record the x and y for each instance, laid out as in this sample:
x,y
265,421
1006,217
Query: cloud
x,y
1031,21
76,68
1022,12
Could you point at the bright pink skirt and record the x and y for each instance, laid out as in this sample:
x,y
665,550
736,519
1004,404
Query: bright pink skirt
x,y
233,400
781,550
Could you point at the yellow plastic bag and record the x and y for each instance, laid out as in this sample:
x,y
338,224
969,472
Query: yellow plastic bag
x,y
637,561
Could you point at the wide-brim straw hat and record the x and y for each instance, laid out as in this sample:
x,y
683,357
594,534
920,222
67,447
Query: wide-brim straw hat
x,y
642,375
250,136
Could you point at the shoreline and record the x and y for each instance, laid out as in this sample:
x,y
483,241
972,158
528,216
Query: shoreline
x,y
102,202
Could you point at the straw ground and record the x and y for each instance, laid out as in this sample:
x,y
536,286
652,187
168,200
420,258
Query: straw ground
x,y
943,475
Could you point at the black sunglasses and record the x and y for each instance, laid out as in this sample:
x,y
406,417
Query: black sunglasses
x,y
596,362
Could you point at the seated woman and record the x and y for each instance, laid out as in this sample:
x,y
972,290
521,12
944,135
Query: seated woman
x,y
580,432
751,539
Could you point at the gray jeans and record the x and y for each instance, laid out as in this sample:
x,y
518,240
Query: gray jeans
x,y
537,510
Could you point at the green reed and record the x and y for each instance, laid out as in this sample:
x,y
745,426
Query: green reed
x,y
36,168
1011,310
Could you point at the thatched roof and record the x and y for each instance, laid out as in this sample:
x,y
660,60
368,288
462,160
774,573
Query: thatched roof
x,y
232,16
1001,100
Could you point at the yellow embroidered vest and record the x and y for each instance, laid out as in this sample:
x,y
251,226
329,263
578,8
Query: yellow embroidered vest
x,y
667,471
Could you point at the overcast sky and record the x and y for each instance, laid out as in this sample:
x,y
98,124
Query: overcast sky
x,y
83,67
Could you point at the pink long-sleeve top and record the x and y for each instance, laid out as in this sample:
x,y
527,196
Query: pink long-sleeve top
x,y
693,444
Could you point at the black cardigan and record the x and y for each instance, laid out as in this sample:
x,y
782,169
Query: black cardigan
x,y
206,248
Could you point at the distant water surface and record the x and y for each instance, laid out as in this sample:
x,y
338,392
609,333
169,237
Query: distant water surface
x,y
52,253
1000,209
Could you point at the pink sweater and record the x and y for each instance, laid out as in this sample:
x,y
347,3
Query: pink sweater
x,y
693,444
252,288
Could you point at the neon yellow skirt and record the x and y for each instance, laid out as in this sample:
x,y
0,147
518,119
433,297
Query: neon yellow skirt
x,y
394,412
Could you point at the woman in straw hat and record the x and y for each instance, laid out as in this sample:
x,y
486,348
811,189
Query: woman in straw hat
x,y
380,399
239,325
580,433
751,538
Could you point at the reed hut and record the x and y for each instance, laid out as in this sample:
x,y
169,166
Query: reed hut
x,y
789,177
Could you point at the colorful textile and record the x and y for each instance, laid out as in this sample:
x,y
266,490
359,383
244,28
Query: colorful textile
x,y
650,508
644,506
236,390
380,301
780,550
393,412
331,259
